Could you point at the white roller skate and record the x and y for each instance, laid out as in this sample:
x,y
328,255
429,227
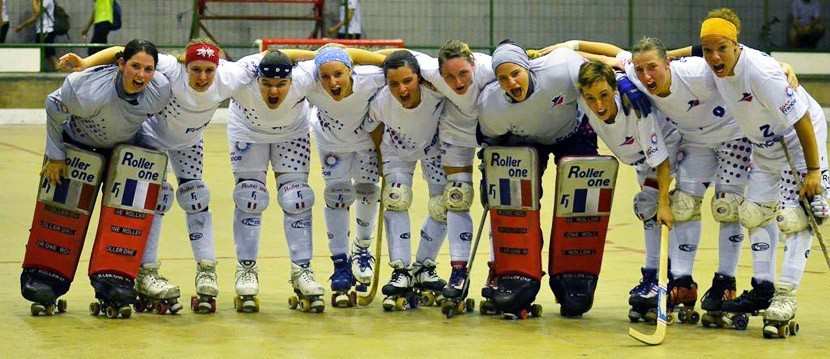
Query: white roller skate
x,y
247,287
428,285
207,288
308,293
155,293
779,318
398,292
363,264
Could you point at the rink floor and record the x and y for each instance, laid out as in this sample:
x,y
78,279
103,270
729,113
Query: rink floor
x,y
365,332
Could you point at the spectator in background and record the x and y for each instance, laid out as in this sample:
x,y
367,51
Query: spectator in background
x,y
350,26
44,27
4,21
806,29
103,18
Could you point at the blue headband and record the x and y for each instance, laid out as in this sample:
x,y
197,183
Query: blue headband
x,y
329,54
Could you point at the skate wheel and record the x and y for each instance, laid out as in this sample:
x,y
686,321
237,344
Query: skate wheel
x,y
305,305
401,304
449,312
317,306
536,310
162,308
388,305
794,327
256,304
194,304
237,303
94,308
293,302
694,317
740,321
125,312
61,305
139,306
633,316
352,299
783,331
111,312
175,308
36,309
50,309
426,299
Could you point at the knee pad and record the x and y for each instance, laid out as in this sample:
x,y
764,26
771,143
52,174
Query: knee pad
x,y
574,292
165,200
250,196
295,197
458,196
725,207
193,196
792,220
339,194
645,204
754,215
397,197
437,209
367,192
685,207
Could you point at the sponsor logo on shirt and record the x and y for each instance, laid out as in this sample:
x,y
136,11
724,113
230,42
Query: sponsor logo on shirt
x,y
558,100
747,96
628,141
692,104
788,106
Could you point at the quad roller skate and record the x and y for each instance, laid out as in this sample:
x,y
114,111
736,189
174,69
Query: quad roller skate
x,y
204,302
363,264
643,298
752,302
41,291
308,293
682,298
114,295
155,293
722,289
456,291
342,295
514,296
247,287
487,306
398,293
779,318
428,285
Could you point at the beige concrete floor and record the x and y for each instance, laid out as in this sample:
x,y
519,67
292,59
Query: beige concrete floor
x,y
361,332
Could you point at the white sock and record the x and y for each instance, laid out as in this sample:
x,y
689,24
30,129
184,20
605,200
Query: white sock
x,y
398,236
729,248
651,230
200,231
432,237
246,228
337,223
796,250
151,249
763,241
298,234
366,212
684,239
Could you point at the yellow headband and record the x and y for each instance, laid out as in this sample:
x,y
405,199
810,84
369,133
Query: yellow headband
x,y
720,27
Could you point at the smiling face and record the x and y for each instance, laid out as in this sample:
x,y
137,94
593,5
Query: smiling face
x,y
404,85
514,80
200,74
137,72
721,54
336,79
273,90
458,74
653,72
600,99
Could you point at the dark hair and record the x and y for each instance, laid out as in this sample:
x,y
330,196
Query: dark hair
x,y
400,59
455,49
137,45
649,44
508,41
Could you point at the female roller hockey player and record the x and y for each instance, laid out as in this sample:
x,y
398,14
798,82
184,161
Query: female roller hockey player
x,y
408,110
785,126
200,82
647,144
95,110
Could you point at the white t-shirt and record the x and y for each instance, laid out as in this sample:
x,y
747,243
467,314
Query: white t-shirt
x,y
764,104
549,114
634,140
180,123
252,121
410,134
46,22
337,124
458,122
5,13
356,21
804,13
693,104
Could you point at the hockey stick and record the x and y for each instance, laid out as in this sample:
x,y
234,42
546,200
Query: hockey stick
x,y
660,331
473,251
811,218
368,298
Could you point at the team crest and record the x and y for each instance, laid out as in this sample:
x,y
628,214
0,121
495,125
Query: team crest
x,y
747,96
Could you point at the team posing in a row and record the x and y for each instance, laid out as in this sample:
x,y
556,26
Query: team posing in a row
x,y
711,119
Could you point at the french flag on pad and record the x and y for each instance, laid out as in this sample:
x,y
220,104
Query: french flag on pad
x,y
73,194
512,191
140,194
592,200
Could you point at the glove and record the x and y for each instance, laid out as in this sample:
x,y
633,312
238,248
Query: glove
x,y
820,208
636,99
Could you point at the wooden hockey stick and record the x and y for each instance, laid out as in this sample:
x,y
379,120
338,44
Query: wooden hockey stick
x,y
811,218
368,298
660,332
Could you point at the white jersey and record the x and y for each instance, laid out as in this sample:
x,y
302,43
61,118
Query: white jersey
x,y
633,140
549,114
92,109
5,13
180,124
458,122
764,104
410,133
355,25
693,103
337,124
252,121
46,22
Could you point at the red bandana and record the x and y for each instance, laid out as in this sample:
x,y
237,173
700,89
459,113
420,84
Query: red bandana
x,y
205,52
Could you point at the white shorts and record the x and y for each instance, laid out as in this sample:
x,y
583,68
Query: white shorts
x,y
188,162
362,166
285,157
726,164
431,169
457,156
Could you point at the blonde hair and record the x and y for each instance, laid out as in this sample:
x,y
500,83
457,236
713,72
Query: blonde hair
x,y
454,49
594,71
726,14
649,44
196,41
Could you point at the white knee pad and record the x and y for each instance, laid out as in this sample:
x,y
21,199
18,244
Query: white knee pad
x,y
685,207
792,220
339,194
367,192
295,197
458,196
437,209
165,200
645,204
754,215
397,197
725,207
193,196
250,196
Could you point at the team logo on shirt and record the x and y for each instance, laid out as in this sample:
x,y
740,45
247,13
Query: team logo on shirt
x,y
790,103
558,100
747,96
629,140
789,91
692,104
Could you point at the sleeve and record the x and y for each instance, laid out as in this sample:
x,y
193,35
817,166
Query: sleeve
x,y
484,70
770,86
651,141
231,76
303,76
373,119
250,63
170,66
56,115
429,66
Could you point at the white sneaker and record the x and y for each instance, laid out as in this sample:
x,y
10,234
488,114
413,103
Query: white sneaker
x,y
302,279
151,284
206,283
783,304
363,263
247,278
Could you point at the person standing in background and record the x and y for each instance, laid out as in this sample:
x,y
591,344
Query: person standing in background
x,y
807,28
102,18
44,27
4,21
350,25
